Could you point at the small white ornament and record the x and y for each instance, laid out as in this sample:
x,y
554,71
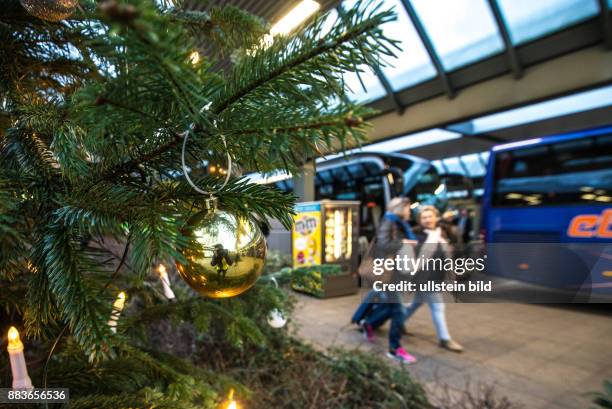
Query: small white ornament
x,y
276,318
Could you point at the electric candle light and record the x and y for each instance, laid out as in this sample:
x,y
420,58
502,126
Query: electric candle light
x,y
194,57
21,380
163,276
117,308
231,403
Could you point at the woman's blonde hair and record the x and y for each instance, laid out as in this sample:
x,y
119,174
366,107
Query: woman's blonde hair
x,y
397,204
428,208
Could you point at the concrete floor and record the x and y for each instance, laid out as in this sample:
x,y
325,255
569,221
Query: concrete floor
x,y
540,356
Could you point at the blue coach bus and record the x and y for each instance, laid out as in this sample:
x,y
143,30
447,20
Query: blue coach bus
x,y
547,211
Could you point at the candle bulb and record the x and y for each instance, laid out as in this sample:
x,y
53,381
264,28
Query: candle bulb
x,y
21,380
117,308
194,57
230,402
163,276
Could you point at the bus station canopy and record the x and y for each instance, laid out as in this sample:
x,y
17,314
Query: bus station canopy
x,y
476,73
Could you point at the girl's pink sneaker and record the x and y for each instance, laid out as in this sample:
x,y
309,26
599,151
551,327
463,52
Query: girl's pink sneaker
x,y
401,355
368,332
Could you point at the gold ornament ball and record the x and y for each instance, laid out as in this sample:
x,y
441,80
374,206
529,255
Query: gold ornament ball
x,y
50,10
226,256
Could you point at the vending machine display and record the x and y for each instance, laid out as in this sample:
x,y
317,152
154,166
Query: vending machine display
x,y
325,232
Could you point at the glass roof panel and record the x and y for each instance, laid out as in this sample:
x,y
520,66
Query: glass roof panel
x,y
453,165
485,157
438,165
529,19
328,23
412,64
462,31
373,87
473,164
414,140
567,105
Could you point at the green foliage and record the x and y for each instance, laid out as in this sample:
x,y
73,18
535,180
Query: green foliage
x,y
219,27
289,374
93,113
154,349
311,279
11,240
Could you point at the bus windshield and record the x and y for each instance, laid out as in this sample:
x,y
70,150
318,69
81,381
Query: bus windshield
x,y
353,181
571,172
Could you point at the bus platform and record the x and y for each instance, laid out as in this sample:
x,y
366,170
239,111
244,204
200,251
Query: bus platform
x,y
540,356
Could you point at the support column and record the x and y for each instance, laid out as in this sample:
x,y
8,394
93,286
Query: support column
x,y
304,182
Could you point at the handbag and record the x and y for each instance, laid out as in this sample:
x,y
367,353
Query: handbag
x,y
366,267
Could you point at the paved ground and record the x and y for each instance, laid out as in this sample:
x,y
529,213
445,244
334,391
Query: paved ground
x,y
541,356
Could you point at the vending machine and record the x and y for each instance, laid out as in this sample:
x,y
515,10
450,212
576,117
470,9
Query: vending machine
x,y
326,232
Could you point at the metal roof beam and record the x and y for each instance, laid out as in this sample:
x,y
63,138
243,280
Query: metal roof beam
x,y
606,23
513,58
391,95
482,160
489,138
433,55
481,96
464,167
444,166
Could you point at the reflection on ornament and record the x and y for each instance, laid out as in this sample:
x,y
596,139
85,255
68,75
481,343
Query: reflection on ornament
x,y
276,318
50,10
226,255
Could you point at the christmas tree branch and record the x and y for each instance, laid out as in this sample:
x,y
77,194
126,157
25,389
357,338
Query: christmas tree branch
x,y
226,28
353,30
303,48
29,152
78,305
132,164
340,122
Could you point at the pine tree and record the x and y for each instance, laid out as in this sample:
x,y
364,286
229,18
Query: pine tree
x,y
93,111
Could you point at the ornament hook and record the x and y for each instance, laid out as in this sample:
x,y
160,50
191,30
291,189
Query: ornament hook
x,y
211,202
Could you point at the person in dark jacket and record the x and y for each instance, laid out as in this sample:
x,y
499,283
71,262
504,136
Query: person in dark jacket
x,y
465,225
393,233
435,241
221,260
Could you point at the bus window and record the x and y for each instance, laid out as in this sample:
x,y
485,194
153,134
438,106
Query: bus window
x,y
371,178
429,189
395,177
361,181
573,172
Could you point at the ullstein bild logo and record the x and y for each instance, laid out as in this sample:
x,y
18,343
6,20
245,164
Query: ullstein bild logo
x,y
591,225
